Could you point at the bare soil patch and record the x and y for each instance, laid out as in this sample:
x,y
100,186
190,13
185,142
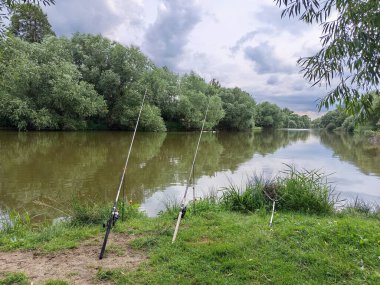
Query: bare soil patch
x,y
77,266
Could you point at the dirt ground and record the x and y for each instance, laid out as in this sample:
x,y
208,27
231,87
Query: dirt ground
x,y
77,266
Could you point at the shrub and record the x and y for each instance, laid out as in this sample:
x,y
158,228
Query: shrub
x,y
330,126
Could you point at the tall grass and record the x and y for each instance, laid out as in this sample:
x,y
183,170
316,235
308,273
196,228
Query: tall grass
x,y
14,221
307,192
88,213
258,194
300,191
359,206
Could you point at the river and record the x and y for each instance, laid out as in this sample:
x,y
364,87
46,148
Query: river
x,y
50,168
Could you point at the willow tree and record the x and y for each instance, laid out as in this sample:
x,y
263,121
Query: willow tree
x,y
349,61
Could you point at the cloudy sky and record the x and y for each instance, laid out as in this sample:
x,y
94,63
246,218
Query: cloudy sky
x,y
242,43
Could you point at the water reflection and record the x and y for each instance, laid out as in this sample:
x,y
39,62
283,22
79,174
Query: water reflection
x,y
354,149
51,167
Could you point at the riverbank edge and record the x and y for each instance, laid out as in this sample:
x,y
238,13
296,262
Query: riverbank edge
x,y
216,245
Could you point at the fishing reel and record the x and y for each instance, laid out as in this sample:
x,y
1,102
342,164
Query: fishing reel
x,y
183,211
114,217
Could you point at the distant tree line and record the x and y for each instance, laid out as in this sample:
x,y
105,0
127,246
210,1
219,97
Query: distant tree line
x,y
339,119
90,82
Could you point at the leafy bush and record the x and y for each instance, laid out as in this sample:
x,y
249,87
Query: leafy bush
x,y
330,127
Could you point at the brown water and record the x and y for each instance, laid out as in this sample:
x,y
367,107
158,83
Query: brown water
x,y
52,167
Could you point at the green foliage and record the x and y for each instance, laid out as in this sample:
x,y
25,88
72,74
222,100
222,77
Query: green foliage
x,y
6,7
14,279
349,58
89,81
29,23
349,124
333,119
295,121
239,109
163,90
44,93
269,116
330,127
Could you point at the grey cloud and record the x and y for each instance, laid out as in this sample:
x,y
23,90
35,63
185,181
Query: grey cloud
x,y
166,38
301,102
265,61
298,85
272,17
70,16
247,37
273,80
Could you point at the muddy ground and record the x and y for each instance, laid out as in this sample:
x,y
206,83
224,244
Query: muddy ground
x,y
77,266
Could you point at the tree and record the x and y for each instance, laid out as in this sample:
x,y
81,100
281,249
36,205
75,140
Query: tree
x,y
239,108
114,70
269,116
332,119
42,90
6,7
163,89
29,23
350,57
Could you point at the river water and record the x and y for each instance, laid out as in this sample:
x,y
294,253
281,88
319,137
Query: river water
x,y
41,171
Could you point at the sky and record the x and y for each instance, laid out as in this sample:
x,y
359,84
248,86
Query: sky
x,y
241,43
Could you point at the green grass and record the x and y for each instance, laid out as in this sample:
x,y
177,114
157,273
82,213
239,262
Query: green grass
x,y
86,221
14,279
216,246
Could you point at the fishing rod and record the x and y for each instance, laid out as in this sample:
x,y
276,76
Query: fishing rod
x,y
183,207
114,212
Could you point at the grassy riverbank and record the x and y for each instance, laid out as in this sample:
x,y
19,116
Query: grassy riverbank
x,y
225,241
216,246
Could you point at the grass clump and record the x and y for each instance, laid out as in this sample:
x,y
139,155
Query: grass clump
x,y
306,192
14,279
297,191
13,221
361,207
86,213
56,282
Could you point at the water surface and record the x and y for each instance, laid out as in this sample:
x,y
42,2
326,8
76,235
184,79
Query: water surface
x,y
50,168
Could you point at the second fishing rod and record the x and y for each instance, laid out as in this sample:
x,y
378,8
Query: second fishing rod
x,y
114,212
182,210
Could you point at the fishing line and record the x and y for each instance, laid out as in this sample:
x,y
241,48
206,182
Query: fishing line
x,y
182,210
114,213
